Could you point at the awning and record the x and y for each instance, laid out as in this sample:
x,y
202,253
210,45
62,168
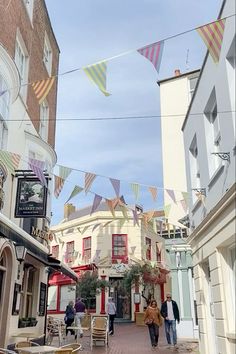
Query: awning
x,y
34,248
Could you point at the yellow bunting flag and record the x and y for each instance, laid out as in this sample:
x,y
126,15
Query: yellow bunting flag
x,y
41,88
97,74
135,188
167,210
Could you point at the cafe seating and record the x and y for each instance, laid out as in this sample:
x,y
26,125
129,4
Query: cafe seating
x,y
6,351
75,346
55,328
64,351
99,330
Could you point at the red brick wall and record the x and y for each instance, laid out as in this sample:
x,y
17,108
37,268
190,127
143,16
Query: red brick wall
x,y
13,15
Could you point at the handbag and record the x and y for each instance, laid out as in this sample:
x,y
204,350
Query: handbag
x,y
148,321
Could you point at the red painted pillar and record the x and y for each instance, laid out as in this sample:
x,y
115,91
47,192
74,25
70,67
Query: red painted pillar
x,y
136,289
102,312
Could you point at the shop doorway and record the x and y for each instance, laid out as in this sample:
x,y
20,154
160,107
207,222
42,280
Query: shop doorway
x,y
121,298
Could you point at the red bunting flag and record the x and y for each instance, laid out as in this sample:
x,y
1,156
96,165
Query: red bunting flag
x,y
153,52
41,88
58,185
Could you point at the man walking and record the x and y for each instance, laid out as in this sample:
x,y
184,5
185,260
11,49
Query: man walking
x,y
80,312
111,311
170,312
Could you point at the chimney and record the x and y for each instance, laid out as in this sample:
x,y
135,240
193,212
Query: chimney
x,y
68,210
177,72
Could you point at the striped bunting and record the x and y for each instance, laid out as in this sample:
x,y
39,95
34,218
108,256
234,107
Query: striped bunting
x,y
135,188
97,74
110,205
153,52
212,35
37,167
64,172
97,200
76,190
116,185
171,194
88,180
41,88
10,160
153,191
167,210
58,185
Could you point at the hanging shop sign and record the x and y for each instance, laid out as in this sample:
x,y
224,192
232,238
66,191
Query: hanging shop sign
x,y
31,198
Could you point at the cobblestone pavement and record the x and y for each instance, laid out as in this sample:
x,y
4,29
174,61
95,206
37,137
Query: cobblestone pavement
x,y
130,339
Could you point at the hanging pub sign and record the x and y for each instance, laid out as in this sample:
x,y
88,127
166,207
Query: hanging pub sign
x,y
31,198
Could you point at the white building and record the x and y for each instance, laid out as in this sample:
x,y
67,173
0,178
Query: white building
x,y
175,96
209,139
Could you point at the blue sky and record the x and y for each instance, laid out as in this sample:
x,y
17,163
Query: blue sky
x,y
88,31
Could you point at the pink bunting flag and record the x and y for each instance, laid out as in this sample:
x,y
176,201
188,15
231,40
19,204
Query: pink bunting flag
x,y
171,194
58,185
37,167
89,178
116,185
153,52
153,191
110,206
96,202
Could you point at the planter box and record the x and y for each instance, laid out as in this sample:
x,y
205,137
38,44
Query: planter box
x,y
139,316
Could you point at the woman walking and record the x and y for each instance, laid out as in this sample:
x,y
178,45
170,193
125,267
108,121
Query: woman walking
x,y
69,316
153,320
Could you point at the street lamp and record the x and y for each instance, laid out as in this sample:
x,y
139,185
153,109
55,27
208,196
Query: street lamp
x,y
20,252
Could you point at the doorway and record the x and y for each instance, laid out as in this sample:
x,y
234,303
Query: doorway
x,y
121,298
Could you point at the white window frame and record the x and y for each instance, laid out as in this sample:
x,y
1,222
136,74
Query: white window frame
x,y
22,63
231,66
27,309
4,99
52,297
47,54
194,167
191,90
44,120
29,5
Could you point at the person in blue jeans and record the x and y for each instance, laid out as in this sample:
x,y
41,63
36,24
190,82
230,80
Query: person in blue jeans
x,y
170,313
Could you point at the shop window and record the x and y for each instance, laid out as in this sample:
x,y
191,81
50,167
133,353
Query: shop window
x,y
55,251
69,252
148,243
52,297
87,249
119,248
67,294
28,285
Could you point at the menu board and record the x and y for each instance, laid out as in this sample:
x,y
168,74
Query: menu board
x,y
16,299
42,299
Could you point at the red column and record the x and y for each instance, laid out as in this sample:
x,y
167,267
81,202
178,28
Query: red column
x,y
102,312
136,289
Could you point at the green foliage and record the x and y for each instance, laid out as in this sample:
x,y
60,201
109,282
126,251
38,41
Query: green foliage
x,y
142,274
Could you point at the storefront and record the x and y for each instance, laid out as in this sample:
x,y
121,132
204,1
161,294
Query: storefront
x,y
24,282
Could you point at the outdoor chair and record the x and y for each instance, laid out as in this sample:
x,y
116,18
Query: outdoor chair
x,y
6,351
56,328
76,347
99,330
64,351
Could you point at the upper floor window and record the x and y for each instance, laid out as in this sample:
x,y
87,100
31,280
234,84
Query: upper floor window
x,y
230,66
29,4
119,247
4,99
158,253
21,60
148,251
47,54
213,136
55,251
192,85
87,249
69,252
194,167
44,120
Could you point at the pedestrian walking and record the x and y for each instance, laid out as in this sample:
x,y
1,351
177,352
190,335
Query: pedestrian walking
x,y
170,312
153,319
69,317
80,310
111,311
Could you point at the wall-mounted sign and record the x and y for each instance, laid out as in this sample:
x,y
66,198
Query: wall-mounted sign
x,y
43,234
16,299
31,198
42,299
137,298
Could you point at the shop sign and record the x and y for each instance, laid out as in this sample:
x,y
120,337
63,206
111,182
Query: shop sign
x,y
31,198
43,234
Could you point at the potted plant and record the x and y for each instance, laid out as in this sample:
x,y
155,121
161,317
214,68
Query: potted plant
x,y
33,321
23,322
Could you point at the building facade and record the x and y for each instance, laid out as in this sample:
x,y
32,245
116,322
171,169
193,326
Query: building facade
x,y
209,139
109,245
175,96
28,53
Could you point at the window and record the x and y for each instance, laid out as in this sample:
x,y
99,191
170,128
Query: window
x,y
213,136
4,99
47,55
119,247
158,253
55,251
87,249
69,252
67,294
194,167
232,267
2,274
29,5
52,297
192,85
21,60
44,120
148,251
230,66
26,307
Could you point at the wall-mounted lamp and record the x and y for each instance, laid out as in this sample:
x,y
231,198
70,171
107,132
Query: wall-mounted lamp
x,y
20,252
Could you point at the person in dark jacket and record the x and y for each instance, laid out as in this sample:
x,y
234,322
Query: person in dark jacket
x,y
69,317
170,312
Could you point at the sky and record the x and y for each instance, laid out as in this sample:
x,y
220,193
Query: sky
x,y
89,31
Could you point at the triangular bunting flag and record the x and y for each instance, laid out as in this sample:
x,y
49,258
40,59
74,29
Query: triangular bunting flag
x,y
184,205
122,200
41,88
116,185
89,178
212,35
58,185
135,217
135,188
37,167
124,212
153,52
111,207
171,194
76,190
64,172
10,160
96,202
79,229
150,214
167,210
185,196
97,74
132,249
153,191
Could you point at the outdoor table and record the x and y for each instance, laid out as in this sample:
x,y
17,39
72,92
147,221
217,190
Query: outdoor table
x,y
26,335
38,349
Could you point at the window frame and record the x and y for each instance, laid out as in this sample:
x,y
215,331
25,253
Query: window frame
x,y
55,251
27,307
47,54
44,120
148,242
123,257
86,249
23,73
195,174
70,248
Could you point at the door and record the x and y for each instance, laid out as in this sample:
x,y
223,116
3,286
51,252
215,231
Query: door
x,y
121,298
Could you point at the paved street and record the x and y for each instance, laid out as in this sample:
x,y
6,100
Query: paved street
x,y
129,338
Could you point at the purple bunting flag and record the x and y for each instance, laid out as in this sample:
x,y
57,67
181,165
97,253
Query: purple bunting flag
x,y
171,194
37,167
96,202
153,52
116,185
